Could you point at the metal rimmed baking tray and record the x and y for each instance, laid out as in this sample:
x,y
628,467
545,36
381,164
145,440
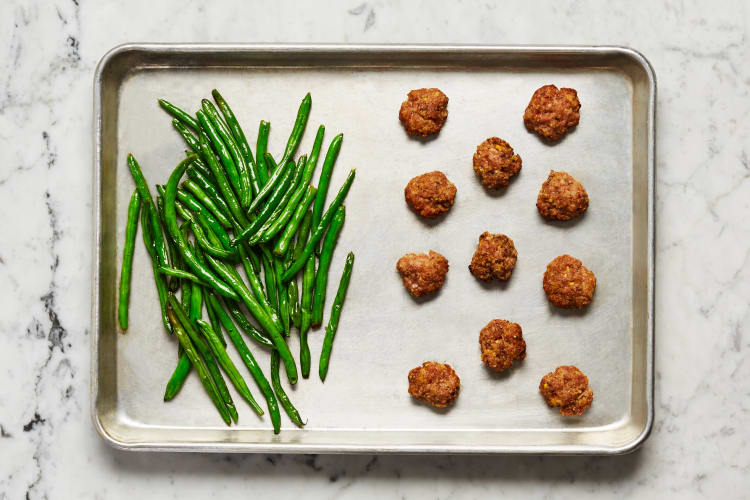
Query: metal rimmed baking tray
x,y
364,405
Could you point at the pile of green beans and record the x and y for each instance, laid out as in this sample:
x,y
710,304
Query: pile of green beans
x,y
223,209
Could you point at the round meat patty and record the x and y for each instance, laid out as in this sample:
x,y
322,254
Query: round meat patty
x,y
561,197
568,283
434,383
494,258
422,273
567,388
501,343
495,163
424,112
430,195
552,111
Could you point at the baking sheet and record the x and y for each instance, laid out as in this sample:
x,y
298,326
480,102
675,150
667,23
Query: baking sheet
x,y
364,404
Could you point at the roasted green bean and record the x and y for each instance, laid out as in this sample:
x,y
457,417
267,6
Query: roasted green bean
x,y
299,128
200,367
333,321
289,408
320,229
221,181
178,377
131,227
179,114
208,202
282,244
260,150
226,363
321,277
325,178
250,363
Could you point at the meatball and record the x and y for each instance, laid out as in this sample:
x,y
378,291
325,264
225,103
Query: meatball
x,y
501,343
495,163
430,195
494,258
567,388
568,283
552,111
422,273
434,383
561,197
424,112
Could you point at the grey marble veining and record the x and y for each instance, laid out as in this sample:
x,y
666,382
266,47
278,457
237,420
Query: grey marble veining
x,y
699,445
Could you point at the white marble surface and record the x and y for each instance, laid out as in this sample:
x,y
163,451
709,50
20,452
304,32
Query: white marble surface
x,y
699,446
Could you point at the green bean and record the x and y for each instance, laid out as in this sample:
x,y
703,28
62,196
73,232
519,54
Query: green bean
x,y
200,367
273,182
278,267
221,181
257,286
333,321
240,139
321,278
186,252
208,187
312,160
178,377
294,309
188,136
221,149
205,218
270,276
282,244
299,128
179,273
259,314
161,285
267,210
320,229
145,194
303,196
294,415
205,244
253,258
207,174
196,298
212,319
179,114
174,257
250,363
131,227
325,178
289,193
228,366
303,323
246,326
260,150
208,202
205,352
245,189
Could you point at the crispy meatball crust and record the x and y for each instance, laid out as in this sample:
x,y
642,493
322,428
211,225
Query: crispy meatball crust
x,y
430,195
495,163
568,283
434,383
501,343
422,273
552,111
424,112
561,197
567,388
494,258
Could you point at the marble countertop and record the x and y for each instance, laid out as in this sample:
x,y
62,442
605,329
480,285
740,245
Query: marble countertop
x,y
699,445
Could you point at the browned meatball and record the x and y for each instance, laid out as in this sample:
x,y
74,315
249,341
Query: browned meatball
x,y
568,283
431,194
552,111
434,383
501,343
494,258
422,273
561,197
424,112
567,388
495,163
